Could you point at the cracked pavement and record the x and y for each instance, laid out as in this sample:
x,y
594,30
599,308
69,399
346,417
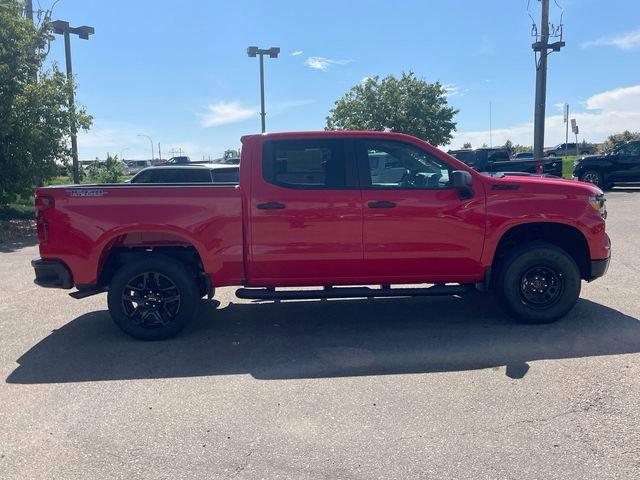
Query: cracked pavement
x,y
355,389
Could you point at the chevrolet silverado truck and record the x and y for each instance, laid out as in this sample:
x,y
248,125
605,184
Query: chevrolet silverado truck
x,y
487,159
349,214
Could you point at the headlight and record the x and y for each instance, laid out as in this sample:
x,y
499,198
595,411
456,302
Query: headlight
x,y
598,202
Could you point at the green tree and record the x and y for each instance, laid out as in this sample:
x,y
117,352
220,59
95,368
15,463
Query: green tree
x,y
518,148
109,171
615,141
406,104
467,145
35,121
509,145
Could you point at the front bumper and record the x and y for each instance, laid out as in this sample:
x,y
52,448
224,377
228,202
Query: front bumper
x,y
599,268
52,273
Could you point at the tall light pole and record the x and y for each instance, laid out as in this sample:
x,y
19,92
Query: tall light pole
x,y
150,141
273,53
541,49
62,28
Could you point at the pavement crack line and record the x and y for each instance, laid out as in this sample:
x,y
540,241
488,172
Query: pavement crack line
x,y
500,430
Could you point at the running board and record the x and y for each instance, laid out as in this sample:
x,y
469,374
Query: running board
x,y
80,294
350,292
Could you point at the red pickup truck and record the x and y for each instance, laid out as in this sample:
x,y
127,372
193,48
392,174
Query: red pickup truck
x,y
333,210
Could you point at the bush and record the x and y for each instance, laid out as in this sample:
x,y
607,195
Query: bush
x,y
109,171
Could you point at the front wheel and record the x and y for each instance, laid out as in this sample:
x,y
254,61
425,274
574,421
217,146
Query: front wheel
x,y
153,298
537,283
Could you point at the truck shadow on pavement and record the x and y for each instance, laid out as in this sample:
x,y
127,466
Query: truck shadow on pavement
x,y
319,339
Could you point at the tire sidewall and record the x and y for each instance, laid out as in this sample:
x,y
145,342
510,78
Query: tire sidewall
x,y
521,260
179,274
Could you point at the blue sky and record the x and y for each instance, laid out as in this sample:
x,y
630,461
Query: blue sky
x,y
178,71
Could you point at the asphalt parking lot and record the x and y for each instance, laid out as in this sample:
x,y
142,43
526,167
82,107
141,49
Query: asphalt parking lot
x,y
389,389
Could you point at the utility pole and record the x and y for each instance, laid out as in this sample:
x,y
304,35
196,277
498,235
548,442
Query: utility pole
x,y
159,152
28,10
28,13
62,28
541,49
273,53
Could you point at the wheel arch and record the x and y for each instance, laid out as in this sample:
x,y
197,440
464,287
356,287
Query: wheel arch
x,y
126,245
567,237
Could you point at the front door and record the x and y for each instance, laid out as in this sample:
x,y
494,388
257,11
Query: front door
x,y
416,227
306,214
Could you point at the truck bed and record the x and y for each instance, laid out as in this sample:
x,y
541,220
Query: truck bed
x,y
88,221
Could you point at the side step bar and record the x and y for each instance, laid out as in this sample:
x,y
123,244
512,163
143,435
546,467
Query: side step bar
x,y
350,292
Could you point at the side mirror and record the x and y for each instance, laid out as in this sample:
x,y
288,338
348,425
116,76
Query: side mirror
x,y
462,180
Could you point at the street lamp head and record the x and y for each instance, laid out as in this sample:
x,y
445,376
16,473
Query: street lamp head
x,y
84,31
252,51
274,51
60,26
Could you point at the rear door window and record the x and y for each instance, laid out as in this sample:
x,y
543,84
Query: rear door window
x,y
313,164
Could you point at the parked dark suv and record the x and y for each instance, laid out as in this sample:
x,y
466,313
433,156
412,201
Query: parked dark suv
x,y
499,160
619,166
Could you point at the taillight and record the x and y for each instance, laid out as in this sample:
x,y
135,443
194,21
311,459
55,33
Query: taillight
x,y
44,202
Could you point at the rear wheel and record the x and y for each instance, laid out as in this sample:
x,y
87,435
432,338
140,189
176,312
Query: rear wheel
x,y
592,176
537,283
153,298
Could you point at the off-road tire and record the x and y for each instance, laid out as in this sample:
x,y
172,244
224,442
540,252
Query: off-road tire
x,y
166,279
537,283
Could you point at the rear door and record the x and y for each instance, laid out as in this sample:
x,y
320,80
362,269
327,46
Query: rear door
x,y
305,214
416,228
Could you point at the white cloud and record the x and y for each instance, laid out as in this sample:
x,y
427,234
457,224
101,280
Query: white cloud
x,y
625,41
626,99
295,53
607,113
559,106
225,112
322,63
121,138
454,90
222,113
115,138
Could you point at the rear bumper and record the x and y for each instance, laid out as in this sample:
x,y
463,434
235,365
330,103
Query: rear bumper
x,y
599,268
52,273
